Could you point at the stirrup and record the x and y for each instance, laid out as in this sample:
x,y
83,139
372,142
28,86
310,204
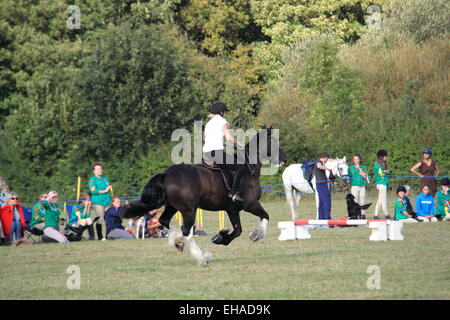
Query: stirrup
x,y
236,198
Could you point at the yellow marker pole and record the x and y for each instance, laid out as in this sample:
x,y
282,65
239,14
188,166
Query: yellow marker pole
x,y
179,218
221,220
201,218
78,188
112,192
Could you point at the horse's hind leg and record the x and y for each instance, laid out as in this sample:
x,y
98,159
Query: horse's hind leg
x,y
261,226
292,201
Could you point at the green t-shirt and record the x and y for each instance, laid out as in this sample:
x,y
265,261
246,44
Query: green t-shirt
x,y
380,176
356,179
38,215
52,214
78,214
95,185
442,204
400,206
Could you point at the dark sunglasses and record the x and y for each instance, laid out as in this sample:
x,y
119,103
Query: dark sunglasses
x,y
14,198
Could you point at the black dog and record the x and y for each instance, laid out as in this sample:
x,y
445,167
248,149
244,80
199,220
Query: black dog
x,y
354,209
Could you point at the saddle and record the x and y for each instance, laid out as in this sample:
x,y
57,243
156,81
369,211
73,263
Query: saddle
x,y
227,174
308,171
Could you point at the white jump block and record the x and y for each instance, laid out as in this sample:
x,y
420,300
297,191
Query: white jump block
x,y
395,230
287,229
379,231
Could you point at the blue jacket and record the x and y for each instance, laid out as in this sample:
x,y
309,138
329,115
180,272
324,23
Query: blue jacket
x,y
113,219
425,205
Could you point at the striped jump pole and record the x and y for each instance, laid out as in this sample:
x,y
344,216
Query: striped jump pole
x,y
382,230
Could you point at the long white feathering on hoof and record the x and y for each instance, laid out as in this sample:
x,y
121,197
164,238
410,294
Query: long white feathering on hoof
x,y
201,257
175,236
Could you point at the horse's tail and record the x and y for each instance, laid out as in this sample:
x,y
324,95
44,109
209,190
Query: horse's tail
x,y
153,197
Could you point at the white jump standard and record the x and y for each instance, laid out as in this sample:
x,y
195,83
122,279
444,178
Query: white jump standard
x,y
382,230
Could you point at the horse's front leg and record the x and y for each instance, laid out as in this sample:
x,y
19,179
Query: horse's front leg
x,y
261,225
223,237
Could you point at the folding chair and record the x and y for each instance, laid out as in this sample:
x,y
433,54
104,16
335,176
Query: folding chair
x,y
31,232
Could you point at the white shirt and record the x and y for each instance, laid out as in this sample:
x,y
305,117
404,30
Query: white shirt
x,y
214,136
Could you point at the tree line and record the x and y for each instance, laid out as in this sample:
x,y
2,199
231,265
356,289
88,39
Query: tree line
x,y
114,89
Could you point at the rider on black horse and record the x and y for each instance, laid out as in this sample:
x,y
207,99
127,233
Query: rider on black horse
x,y
216,130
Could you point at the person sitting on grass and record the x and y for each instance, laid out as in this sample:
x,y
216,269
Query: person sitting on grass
x,y
81,217
443,201
114,228
12,218
154,228
52,215
37,222
401,214
425,205
409,206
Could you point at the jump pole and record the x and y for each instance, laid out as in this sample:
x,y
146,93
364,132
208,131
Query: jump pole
x,y
199,230
78,187
221,219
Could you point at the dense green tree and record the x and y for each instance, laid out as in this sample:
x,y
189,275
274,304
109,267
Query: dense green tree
x,y
419,19
285,22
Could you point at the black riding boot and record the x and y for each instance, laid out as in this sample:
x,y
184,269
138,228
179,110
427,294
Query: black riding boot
x,y
234,194
91,232
81,230
98,226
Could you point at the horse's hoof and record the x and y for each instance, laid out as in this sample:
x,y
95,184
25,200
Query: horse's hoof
x,y
254,236
219,238
202,263
179,246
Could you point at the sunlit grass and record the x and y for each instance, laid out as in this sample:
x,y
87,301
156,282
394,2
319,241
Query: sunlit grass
x,y
332,265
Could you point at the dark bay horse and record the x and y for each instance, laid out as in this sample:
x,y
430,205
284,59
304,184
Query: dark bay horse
x,y
185,188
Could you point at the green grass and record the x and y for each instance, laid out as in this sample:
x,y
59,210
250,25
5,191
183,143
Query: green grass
x,y
331,265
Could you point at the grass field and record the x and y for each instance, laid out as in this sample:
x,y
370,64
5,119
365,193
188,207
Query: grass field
x,y
331,265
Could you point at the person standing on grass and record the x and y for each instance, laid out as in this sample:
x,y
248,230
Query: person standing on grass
x,y
401,214
101,200
443,201
52,214
425,205
428,168
380,168
322,186
358,178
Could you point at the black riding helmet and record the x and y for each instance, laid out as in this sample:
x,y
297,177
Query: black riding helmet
x,y
218,107
382,153
401,188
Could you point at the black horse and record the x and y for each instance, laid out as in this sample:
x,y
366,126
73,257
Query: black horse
x,y
185,188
